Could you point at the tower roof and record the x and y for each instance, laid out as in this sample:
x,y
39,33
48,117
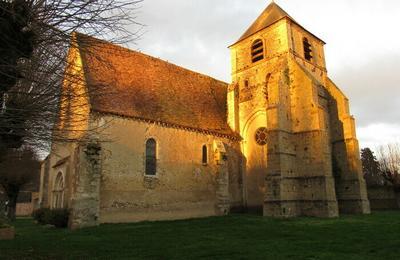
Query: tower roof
x,y
272,14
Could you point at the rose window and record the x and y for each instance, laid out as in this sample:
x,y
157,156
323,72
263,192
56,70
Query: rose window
x,y
261,136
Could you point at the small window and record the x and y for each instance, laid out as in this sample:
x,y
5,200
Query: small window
x,y
204,158
307,49
257,50
151,157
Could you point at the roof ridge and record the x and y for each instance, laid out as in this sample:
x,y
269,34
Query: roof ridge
x,y
230,134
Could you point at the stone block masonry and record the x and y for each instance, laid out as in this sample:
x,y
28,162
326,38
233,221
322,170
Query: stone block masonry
x,y
85,199
311,166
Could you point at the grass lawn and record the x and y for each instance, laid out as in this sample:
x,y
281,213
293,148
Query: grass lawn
x,y
375,236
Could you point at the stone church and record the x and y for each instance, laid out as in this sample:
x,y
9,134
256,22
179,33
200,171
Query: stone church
x,y
177,144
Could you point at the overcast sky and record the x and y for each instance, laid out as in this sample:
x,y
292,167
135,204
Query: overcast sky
x,y
362,51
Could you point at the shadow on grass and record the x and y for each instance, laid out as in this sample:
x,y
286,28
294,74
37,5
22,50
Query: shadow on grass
x,y
375,236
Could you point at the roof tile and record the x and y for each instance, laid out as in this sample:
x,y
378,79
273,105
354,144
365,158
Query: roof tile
x,y
130,83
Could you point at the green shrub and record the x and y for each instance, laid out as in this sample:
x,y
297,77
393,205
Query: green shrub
x,y
59,218
36,214
41,215
56,217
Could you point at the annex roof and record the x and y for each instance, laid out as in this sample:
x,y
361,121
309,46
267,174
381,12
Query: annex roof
x,y
143,87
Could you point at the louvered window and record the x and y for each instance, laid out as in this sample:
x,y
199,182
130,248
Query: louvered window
x,y
307,49
257,50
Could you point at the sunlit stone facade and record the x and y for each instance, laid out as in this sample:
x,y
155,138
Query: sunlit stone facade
x,y
279,139
310,164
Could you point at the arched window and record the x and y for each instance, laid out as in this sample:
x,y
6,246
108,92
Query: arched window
x,y
151,157
204,158
58,191
307,49
257,50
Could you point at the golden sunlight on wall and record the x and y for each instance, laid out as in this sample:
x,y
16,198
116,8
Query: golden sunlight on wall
x,y
74,103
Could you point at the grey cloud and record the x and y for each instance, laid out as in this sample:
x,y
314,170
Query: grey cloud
x,y
373,89
195,34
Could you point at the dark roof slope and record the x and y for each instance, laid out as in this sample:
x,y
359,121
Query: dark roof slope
x,y
272,14
269,16
136,85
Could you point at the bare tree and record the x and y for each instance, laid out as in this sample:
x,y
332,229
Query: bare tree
x,y
35,37
17,169
389,161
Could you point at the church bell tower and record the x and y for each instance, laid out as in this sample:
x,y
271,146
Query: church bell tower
x,y
298,136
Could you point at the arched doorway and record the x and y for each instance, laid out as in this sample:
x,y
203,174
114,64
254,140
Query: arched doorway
x,y
255,150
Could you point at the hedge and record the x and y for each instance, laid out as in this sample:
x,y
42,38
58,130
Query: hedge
x,y
56,217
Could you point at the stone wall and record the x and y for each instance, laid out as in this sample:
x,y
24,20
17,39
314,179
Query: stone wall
x,y
44,183
382,198
24,209
250,101
60,161
183,187
350,185
108,184
85,198
27,203
296,36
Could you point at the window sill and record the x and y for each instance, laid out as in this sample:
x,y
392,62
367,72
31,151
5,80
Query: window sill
x,y
151,176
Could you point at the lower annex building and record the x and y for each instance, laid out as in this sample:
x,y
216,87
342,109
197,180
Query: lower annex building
x,y
177,144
